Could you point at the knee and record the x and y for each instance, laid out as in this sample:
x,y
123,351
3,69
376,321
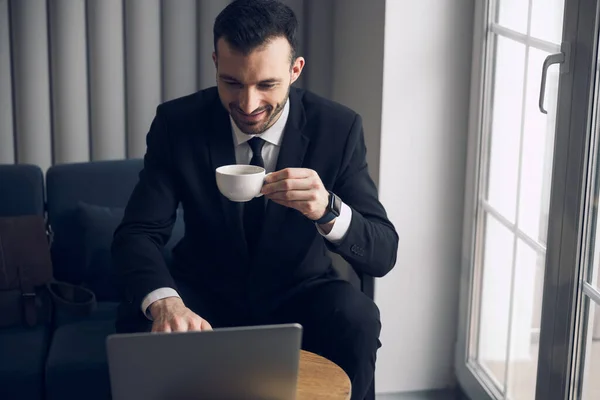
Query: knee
x,y
361,327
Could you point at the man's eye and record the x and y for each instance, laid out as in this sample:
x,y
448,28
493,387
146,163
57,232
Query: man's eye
x,y
267,85
233,84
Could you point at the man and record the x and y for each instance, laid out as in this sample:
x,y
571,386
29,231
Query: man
x,y
263,262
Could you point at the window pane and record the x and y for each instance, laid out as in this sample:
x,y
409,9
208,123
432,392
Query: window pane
x,y
593,247
495,296
512,14
506,126
589,341
538,148
591,360
525,322
547,20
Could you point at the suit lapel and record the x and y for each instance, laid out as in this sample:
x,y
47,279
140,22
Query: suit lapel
x,y
291,155
222,152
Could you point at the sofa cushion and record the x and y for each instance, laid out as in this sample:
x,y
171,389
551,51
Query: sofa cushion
x,y
106,183
22,188
23,356
97,225
104,311
77,366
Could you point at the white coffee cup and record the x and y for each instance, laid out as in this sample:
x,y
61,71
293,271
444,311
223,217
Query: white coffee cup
x,y
240,182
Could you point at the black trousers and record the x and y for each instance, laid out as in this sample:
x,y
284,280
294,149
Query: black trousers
x,y
339,323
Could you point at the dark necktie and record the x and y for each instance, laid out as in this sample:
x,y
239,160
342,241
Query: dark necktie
x,y
254,210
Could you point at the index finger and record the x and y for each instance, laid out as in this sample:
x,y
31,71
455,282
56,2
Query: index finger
x,y
206,326
287,173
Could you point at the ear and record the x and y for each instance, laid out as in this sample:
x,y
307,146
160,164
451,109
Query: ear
x,y
297,68
214,57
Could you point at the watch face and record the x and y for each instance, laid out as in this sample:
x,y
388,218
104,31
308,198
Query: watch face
x,y
336,204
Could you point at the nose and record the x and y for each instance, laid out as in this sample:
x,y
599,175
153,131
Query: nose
x,y
249,100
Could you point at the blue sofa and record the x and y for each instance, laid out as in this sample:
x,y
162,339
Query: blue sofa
x,y
83,204
22,350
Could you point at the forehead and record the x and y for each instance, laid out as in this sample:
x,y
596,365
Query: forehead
x,y
265,62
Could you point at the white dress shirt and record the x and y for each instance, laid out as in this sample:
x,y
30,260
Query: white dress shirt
x,y
270,152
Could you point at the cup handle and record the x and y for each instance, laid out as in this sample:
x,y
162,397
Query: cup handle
x,y
260,194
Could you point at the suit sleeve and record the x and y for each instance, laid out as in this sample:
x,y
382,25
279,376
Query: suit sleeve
x,y
138,242
371,243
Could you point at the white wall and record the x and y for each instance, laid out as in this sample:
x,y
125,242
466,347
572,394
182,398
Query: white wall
x,y
422,168
412,90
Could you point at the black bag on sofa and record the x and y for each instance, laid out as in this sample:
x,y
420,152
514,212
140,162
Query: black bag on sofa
x,y
28,294
25,269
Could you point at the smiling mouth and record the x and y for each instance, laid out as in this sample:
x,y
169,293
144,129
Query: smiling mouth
x,y
251,117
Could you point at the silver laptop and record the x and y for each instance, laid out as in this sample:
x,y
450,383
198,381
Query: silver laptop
x,y
250,363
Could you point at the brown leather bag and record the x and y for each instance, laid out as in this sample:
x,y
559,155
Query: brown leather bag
x,y
25,271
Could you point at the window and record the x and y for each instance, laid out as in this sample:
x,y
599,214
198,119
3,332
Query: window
x,y
531,212
512,197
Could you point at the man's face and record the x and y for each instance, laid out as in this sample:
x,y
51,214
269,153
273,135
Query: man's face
x,y
254,88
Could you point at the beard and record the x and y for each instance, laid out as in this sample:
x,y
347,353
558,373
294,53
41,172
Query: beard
x,y
256,128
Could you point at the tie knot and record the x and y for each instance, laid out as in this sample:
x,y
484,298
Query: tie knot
x,y
256,144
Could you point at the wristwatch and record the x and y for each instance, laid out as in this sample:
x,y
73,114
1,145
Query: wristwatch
x,y
334,208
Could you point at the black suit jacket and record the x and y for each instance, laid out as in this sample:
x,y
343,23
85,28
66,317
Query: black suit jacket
x,y
189,138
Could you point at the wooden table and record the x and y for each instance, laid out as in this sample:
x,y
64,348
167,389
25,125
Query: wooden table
x,y
319,378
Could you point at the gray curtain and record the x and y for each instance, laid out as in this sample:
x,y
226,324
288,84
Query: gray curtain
x,y
80,80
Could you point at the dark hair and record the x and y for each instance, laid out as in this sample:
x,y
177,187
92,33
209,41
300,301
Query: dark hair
x,y
248,24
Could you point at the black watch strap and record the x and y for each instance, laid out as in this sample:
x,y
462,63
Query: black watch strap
x,y
334,208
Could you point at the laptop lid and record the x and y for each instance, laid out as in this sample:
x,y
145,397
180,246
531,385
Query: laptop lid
x,y
250,363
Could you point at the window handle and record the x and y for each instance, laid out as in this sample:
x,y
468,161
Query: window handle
x,y
558,58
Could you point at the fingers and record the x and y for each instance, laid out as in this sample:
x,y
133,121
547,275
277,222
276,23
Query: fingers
x,y
199,324
181,323
289,173
292,184
206,326
294,195
287,185
159,326
195,324
175,325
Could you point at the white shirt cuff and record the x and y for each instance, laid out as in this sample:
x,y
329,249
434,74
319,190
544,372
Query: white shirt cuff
x,y
155,295
340,226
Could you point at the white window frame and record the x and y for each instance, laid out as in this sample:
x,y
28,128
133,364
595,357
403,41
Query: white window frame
x,y
471,374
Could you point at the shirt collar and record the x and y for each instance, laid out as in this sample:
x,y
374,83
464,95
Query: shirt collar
x,y
273,135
